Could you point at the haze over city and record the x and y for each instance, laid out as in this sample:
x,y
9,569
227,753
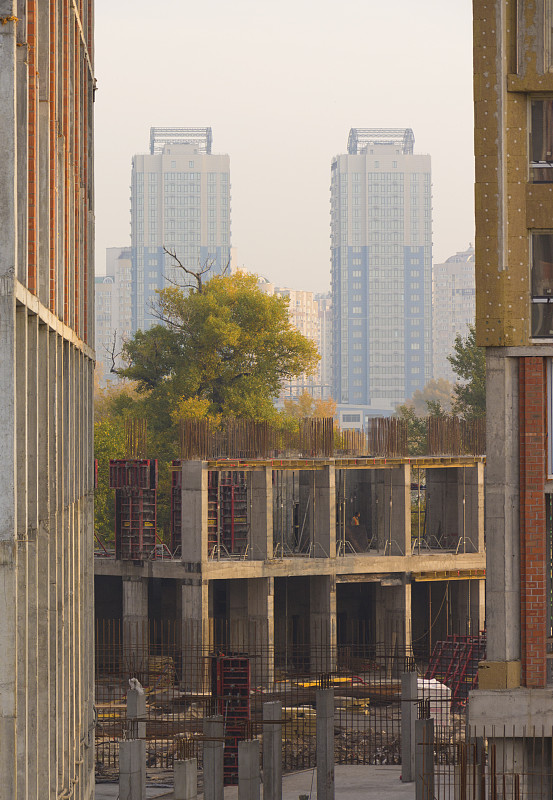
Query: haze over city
x,y
281,85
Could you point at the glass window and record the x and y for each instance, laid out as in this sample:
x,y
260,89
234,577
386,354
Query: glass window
x,y
542,285
541,141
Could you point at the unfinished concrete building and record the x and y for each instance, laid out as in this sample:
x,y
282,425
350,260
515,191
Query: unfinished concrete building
x,y
307,554
513,88
46,377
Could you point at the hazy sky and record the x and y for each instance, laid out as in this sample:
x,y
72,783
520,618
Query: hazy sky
x,y
281,84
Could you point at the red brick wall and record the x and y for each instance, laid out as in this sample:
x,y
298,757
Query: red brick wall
x,y
532,433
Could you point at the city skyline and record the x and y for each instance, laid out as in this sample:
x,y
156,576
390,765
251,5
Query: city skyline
x,y
295,89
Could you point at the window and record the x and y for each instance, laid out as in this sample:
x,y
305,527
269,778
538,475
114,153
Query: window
x,y
191,164
351,418
542,285
541,141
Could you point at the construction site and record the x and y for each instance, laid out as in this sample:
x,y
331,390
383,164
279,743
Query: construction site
x,y
282,569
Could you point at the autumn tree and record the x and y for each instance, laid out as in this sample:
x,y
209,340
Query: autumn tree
x,y
469,364
308,406
224,343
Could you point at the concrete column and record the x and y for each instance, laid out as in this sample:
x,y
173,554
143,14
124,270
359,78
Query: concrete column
x,y
322,622
272,751
251,611
135,619
185,779
325,744
261,523
194,512
325,513
136,709
248,770
132,769
409,701
306,519
195,633
424,759
393,613
474,507
502,508
213,758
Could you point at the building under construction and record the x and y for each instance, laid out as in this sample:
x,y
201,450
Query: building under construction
x,y
317,552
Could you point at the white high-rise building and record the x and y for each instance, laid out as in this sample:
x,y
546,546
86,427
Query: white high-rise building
x,y
453,307
381,264
180,201
113,310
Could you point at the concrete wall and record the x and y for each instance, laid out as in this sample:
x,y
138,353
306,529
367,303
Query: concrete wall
x,y
46,381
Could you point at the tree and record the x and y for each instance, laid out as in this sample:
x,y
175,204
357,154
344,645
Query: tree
x,y
435,398
109,442
469,364
308,406
224,342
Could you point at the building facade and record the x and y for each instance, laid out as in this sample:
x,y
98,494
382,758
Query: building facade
x,y
381,242
304,309
513,86
46,415
113,311
324,306
180,200
453,307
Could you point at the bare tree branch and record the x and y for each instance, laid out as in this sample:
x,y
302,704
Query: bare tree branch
x,y
113,355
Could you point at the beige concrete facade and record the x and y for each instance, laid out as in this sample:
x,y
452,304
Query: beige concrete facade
x,y
513,93
46,379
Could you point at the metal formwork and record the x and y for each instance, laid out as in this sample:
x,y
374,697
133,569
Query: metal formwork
x,y
135,484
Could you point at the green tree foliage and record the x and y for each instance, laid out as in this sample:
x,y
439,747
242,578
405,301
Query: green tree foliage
x,y
469,364
109,442
225,342
416,429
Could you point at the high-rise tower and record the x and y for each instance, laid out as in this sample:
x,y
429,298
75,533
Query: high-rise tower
x,y
381,242
46,416
181,201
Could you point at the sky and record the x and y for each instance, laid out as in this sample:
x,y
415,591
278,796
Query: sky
x,y
281,84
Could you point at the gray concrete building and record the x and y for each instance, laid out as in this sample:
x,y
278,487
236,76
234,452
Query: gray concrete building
x,y
453,307
180,199
288,567
381,266
46,380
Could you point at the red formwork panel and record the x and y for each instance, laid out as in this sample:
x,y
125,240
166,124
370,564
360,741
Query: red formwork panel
x,y
133,473
227,515
176,507
230,685
135,524
454,662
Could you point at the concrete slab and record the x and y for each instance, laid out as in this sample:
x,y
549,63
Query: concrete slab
x,y
352,783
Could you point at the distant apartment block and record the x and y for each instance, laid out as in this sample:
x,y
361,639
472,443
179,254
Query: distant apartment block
x,y
324,306
304,311
113,310
381,266
453,307
180,199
